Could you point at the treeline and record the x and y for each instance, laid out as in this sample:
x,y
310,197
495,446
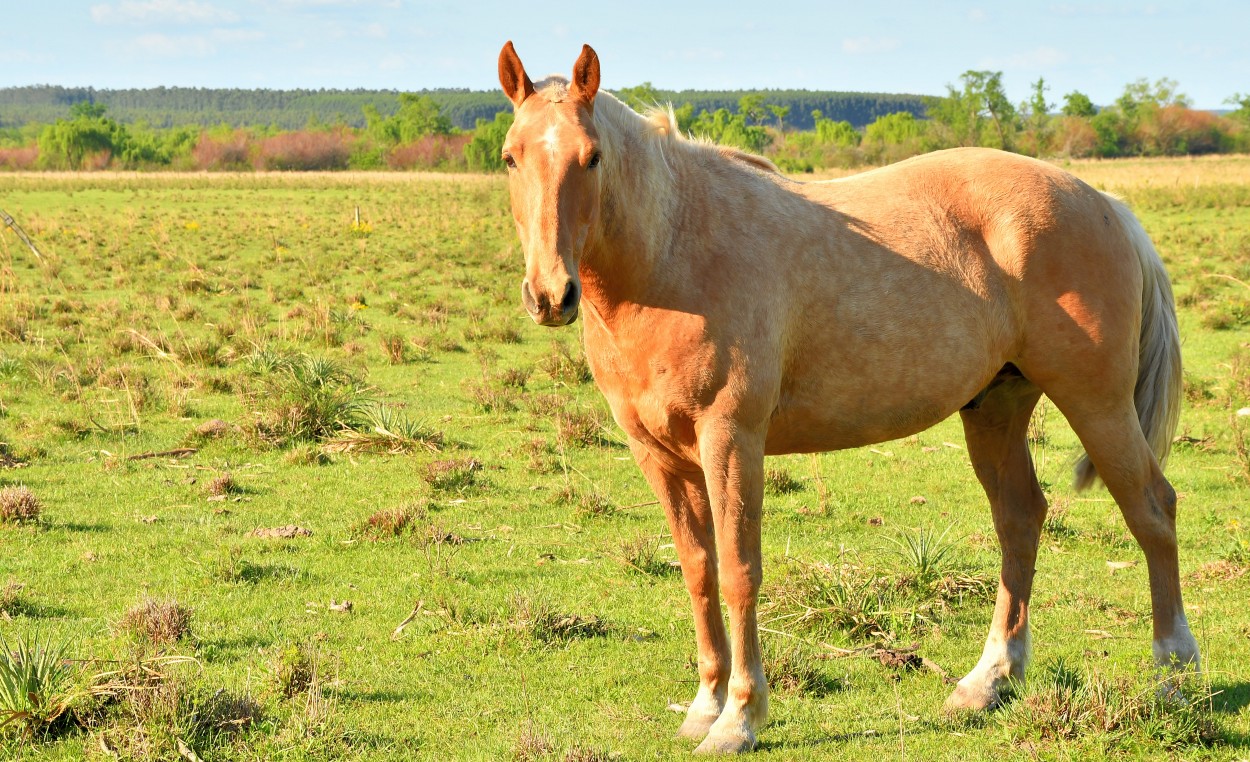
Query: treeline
x,y
1148,119
166,107
418,131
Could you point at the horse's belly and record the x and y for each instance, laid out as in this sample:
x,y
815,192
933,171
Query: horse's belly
x,y
853,410
822,430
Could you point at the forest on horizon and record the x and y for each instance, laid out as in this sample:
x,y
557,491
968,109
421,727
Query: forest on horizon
x,y
166,107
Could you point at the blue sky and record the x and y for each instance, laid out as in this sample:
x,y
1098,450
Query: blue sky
x,y
896,46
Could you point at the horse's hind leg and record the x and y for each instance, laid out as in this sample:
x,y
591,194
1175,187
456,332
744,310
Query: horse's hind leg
x,y
996,433
1118,450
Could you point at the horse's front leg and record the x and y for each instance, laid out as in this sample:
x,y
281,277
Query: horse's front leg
x,y
733,467
685,500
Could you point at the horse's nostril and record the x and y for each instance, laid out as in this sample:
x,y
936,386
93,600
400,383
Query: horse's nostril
x,y
527,298
572,295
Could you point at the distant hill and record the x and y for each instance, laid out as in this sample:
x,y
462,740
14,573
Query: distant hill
x,y
293,109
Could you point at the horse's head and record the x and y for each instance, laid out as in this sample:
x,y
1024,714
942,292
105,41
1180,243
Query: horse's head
x,y
552,153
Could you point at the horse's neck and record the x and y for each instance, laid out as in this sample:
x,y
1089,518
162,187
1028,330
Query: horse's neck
x,y
641,214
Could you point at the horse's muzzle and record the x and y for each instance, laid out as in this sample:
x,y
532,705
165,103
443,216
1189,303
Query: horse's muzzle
x,y
548,312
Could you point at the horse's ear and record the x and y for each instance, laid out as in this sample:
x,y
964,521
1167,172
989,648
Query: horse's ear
x,y
512,77
585,77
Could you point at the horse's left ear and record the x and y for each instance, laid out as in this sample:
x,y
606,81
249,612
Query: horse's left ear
x,y
586,77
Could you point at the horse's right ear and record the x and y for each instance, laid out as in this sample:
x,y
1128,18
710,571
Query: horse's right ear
x,y
512,77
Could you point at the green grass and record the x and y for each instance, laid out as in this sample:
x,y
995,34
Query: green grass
x,y
388,394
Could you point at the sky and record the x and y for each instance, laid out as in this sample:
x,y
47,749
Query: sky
x,y
900,46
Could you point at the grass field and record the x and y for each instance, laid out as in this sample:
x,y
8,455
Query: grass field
x,y
246,437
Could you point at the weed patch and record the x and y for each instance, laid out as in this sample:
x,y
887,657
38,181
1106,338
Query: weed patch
x,y
157,622
18,505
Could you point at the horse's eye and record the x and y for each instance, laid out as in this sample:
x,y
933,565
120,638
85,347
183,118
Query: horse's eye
x,y
594,161
511,162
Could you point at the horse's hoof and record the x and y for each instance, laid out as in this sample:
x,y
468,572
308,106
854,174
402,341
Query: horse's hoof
x,y
970,699
727,743
696,726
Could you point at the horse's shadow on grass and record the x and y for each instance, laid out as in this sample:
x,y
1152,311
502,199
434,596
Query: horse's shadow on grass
x,y
74,526
375,696
1230,698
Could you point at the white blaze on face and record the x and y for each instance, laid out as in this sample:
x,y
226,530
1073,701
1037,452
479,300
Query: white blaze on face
x,y
549,139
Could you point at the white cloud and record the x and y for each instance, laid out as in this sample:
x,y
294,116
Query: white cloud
x,y
978,15
161,11
867,45
157,45
167,46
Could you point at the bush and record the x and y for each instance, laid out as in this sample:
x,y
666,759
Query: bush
x,y
430,152
304,151
229,152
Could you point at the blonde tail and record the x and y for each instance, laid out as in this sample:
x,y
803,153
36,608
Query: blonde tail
x,y
1157,395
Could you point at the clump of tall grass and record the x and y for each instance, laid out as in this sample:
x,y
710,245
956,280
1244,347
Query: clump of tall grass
x,y
929,566
38,686
19,505
377,427
157,622
642,555
453,474
1063,704
303,398
563,365
548,626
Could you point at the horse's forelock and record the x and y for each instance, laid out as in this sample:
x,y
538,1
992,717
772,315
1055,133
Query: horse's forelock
x,y
555,88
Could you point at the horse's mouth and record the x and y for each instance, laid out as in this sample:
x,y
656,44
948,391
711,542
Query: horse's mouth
x,y
568,318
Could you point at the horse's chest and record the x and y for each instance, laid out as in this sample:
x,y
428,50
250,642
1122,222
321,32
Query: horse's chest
x,y
657,395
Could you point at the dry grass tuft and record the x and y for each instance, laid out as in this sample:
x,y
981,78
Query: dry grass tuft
x,y
548,626
532,744
159,622
795,670
581,428
453,474
222,485
778,481
391,522
642,554
18,505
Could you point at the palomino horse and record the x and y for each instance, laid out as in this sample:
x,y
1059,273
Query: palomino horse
x,y
732,313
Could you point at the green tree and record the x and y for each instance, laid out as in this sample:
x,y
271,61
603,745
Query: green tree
x,y
729,129
978,114
484,151
894,129
418,116
1242,102
780,113
68,143
1077,103
751,107
834,133
640,97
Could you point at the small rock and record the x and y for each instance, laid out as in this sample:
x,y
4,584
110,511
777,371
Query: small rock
x,y
918,500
